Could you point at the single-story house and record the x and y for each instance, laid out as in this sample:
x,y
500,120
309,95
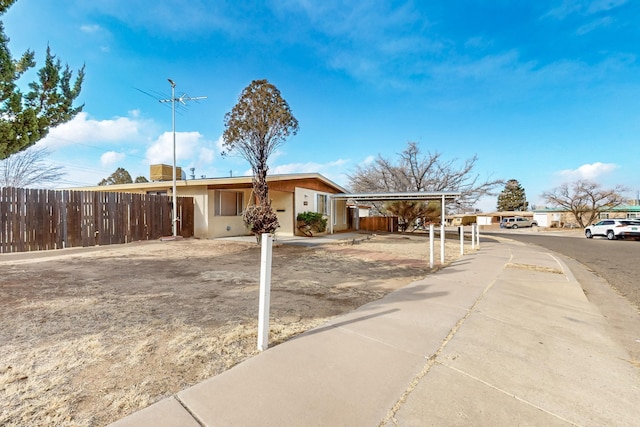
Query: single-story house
x,y
559,218
486,219
219,202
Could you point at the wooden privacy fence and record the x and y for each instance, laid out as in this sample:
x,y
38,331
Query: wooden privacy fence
x,y
34,220
379,223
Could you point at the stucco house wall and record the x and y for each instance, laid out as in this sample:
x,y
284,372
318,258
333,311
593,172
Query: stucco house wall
x,y
219,202
282,204
340,216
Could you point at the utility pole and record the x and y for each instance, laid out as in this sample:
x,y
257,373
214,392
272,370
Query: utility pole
x,y
173,100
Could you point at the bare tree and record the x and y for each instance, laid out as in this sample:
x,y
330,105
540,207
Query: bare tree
x,y
584,199
417,172
259,123
28,168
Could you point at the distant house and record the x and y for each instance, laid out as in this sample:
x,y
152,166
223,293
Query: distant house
x,y
219,202
561,218
487,219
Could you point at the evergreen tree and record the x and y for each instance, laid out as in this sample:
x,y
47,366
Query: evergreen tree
x,y
27,118
120,176
512,198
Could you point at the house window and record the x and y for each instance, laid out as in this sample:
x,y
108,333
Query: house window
x,y
322,204
230,203
604,215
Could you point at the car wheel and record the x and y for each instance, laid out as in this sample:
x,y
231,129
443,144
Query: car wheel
x,y
610,235
588,234
514,226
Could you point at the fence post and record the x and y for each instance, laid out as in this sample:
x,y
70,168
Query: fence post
x,y
265,291
462,239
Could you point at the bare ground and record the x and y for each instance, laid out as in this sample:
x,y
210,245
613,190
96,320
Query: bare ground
x,y
88,339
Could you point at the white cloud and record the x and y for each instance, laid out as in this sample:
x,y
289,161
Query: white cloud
x,y
189,145
584,7
84,130
368,160
169,16
588,171
206,156
603,5
308,167
334,170
220,144
110,158
94,28
594,25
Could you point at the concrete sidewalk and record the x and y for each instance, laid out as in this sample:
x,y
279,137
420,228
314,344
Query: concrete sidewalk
x,y
504,336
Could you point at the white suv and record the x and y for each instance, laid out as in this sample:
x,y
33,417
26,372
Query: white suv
x,y
613,229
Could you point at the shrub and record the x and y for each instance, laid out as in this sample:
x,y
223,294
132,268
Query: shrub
x,y
310,222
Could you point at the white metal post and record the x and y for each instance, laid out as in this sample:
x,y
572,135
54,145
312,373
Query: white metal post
x,y
478,235
431,244
442,232
265,291
332,211
173,126
462,239
473,236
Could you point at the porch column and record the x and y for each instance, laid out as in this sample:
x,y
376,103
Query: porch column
x,y
332,212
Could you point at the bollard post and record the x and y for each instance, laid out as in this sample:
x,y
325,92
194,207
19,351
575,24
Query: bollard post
x,y
478,236
431,244
265,291
462,239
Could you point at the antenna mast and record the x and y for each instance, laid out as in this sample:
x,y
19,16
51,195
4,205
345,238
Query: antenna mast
x,y
173,100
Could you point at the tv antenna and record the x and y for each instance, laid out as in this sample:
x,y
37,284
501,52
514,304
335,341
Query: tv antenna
x,y
173,101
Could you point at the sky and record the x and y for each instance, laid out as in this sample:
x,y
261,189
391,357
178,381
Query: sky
x,y
545,92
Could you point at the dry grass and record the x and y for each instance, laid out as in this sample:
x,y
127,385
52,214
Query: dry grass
x,y
87,340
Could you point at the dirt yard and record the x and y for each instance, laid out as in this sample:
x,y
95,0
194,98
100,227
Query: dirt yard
x,y
89,338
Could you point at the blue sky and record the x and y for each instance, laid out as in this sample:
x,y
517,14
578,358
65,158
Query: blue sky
x,y
544,92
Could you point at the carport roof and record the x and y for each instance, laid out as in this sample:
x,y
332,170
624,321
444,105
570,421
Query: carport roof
x,y
387,197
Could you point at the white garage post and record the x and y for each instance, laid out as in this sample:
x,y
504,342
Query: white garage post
x,y
431,245
462,239
332,212
265,291
442,232
473,236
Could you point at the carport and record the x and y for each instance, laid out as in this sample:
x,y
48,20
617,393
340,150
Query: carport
x,y
442,196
